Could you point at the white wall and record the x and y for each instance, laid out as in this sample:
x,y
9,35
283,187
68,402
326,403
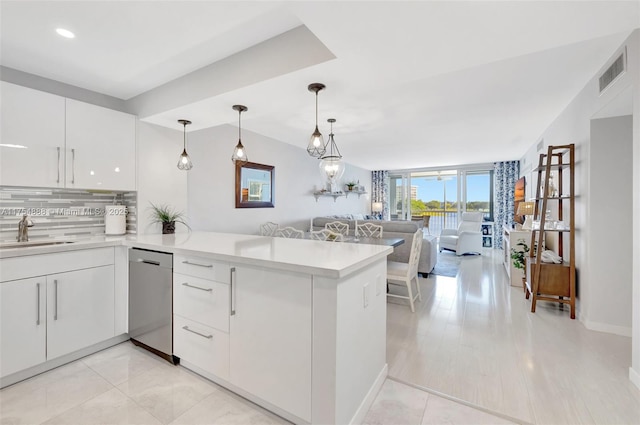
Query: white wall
x,y
159,180
573,126
609,222
212,183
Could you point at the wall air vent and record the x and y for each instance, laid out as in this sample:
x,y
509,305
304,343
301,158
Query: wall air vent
x,y
616,69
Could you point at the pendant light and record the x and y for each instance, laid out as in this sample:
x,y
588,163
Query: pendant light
x,y
184,163
316,147
331,165
239,153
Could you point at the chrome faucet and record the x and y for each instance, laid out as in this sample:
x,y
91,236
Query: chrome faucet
x,y
23,226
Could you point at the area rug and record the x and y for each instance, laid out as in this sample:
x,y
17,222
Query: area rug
x,y
447,265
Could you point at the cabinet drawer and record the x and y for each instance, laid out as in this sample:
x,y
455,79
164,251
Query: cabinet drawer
x,y
201,300
43,264
205,268
208,348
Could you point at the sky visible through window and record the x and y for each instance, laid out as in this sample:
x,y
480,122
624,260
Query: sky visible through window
x,y
429,189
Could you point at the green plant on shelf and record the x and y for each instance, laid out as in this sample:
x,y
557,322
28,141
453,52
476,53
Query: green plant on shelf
x,y
518,255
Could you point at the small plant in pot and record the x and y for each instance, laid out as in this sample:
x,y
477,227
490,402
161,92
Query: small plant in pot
x,y
168,217
350,185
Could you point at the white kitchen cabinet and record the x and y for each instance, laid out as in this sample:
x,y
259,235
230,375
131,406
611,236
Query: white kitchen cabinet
x,y
100,147
34,120
72,295
270,337
79,309
22,324
201,346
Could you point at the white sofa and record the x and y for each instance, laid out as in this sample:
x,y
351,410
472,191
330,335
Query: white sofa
x,y
396,229
467,238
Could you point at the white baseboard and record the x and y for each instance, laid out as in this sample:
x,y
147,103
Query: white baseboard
x,y
634,377
366,404
605,327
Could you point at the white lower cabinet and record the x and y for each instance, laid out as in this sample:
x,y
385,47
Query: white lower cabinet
x,y
202,346
201,314
56,312
22,324
80,309
270,337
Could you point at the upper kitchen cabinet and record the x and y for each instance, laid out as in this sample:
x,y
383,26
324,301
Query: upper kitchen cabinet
x,y
100,148
32,137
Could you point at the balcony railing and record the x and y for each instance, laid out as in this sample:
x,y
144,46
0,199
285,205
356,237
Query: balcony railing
x,y
440,219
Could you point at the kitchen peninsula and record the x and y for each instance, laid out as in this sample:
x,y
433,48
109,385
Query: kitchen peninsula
x,y
304,326
297,326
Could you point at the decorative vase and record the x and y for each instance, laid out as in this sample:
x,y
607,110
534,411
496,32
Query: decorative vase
x,y
168,227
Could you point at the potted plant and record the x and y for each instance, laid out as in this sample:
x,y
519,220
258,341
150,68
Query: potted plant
x,y
168,217
518,257
351,184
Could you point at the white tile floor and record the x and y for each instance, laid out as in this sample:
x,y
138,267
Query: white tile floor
x,y
471,338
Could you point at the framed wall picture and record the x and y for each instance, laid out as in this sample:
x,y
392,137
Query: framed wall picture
x,y
254,185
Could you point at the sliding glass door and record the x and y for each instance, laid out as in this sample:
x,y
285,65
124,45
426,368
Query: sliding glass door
x,y
441,194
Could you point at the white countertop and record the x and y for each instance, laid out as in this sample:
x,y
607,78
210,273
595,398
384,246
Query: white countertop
x,y
329,259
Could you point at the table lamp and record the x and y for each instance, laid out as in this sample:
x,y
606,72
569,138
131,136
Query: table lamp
x,y
376,209
527,210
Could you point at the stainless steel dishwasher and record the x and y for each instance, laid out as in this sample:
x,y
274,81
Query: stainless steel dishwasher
x,y
151,302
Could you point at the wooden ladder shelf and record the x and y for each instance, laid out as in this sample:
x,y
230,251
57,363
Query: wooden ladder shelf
x,y
551,281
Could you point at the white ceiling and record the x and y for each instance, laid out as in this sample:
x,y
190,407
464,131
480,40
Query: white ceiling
x,y
413,84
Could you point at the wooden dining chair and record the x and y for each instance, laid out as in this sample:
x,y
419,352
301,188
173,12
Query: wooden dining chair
x,y
338,227
327,235
289,232
404,273
368,230
269,228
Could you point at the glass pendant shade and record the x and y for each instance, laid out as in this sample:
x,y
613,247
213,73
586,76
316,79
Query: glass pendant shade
x,y
332,168
316,147
239,153
331,165
184,162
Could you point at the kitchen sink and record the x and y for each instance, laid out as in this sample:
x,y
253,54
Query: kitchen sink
x,y
12,245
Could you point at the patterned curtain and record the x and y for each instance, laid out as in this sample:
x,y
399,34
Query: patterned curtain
x,y
380,191
505,176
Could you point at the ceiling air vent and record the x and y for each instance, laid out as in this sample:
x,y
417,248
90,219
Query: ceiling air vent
x,y
609,76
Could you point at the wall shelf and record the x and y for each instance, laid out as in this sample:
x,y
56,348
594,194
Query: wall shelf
x,y
334,195
355,192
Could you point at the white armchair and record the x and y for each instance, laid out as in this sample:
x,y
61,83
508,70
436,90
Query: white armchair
x,y
467,238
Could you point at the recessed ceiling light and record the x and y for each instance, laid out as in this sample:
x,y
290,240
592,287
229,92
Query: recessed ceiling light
x,y
65,33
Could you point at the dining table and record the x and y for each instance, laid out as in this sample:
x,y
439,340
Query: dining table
x,y
394,242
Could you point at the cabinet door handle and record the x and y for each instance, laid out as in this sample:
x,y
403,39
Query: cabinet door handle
x,y
196,264
73,166
38,298
232,298
58,179
186,328
55,300
153,263
197,287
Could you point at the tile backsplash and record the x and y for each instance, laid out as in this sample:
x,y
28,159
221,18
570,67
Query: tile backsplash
x,y
60,212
